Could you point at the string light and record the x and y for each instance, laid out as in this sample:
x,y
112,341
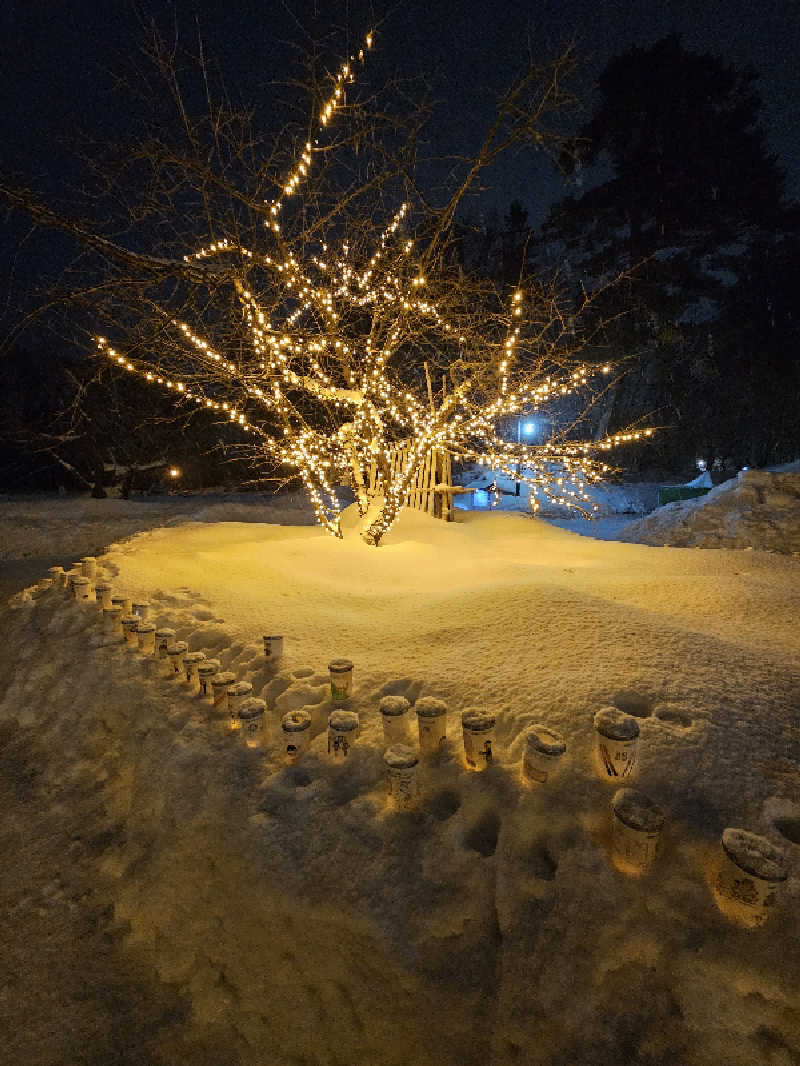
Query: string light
x,y
322,379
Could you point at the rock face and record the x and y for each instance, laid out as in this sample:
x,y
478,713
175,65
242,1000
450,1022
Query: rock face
x,y
758,509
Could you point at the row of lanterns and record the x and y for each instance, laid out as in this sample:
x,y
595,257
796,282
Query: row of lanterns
x,y
752,867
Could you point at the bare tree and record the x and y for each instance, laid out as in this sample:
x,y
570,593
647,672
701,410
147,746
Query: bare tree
x,y
326,313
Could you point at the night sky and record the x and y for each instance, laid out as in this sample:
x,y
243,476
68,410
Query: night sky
x,y
56,58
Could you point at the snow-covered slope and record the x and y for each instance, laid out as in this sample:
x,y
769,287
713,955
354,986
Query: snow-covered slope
x,y
174,897
759,509
34,526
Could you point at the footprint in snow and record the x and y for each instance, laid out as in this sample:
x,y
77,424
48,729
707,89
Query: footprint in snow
x,y
632,702
483,834
674,716
210,640
789,828
540,861
444,804
299,694
297,777
402,686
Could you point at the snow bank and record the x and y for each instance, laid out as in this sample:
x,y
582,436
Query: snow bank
x,y
759,509
181,898
609,497
36,526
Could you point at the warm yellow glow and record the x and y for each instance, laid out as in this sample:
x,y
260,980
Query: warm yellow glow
x,y
335,325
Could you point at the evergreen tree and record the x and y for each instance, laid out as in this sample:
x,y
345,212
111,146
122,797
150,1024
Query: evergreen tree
x,y
693,193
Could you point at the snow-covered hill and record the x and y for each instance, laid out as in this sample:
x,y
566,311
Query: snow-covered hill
x,y
172,897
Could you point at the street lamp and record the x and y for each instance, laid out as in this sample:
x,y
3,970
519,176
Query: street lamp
x,y
526,429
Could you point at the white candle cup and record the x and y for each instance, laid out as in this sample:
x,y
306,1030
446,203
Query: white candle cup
x,y
395,714
146,638
401,769
238,692
130,625
205,672
748,883
89,566
58,575
617,749
191,662
273,648
124,602
75,571
141,608
343,731
102,591
296,730
341,675
82,589
636,831
431,723
479,740
544,754
112,623
175,654
251,721
220,683
165,638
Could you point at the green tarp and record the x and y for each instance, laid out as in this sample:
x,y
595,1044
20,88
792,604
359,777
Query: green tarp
x,y
679,492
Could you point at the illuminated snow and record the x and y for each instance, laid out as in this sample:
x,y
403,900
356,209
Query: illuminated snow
x,y
175,893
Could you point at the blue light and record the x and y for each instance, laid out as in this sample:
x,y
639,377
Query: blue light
x,y
528,428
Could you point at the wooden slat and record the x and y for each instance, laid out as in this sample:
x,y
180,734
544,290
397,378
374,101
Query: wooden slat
x,y
414,499
435,469
425,471
430,479
419,503
448,469
401,463
423,483
436,505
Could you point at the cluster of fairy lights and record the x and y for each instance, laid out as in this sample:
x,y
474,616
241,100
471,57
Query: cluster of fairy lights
x,y
288,352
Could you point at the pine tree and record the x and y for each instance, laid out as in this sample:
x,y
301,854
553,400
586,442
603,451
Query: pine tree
x,y
693,188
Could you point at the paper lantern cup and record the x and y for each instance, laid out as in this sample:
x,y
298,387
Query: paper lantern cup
x,y
544,754
478,729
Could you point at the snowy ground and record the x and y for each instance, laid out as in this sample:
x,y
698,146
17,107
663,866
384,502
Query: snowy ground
x,y
174,897
40,531
757,509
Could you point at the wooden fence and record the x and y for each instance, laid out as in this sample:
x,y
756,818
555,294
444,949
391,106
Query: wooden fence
x,y
431,489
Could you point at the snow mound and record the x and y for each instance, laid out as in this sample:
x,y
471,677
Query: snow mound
x,y
176,897
758,509
291,510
